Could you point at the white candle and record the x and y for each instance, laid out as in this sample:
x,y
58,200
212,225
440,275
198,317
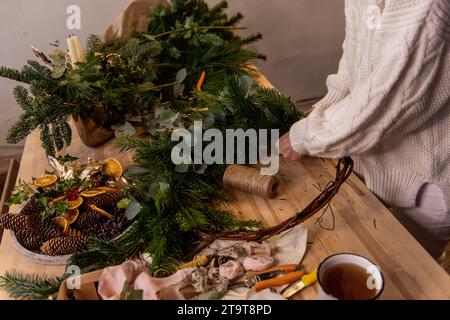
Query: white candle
x,y
72,51
75,51
79,49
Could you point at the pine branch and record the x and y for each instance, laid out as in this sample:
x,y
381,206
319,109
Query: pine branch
x,y
13,74
189,219
225,221
101,254
22,98
67,132
58,137
43,71
31,286
22,128
47,141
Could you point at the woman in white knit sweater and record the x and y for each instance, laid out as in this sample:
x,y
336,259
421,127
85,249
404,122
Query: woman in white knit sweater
x,y
388,107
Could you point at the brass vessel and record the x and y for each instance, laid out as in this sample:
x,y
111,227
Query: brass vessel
x,y
91,134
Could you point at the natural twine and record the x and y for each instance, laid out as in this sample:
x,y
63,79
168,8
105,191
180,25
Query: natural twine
x,y
249,180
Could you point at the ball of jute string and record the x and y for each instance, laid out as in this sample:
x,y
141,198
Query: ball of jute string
x,y
248,179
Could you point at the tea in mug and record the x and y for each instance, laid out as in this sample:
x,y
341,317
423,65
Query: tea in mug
x,y
348,281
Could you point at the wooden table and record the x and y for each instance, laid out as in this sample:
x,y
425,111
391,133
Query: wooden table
x,y
362,224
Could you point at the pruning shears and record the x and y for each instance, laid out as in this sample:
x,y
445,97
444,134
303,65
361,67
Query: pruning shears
x,y
272,277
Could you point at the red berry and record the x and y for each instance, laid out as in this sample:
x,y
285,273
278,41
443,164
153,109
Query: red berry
x,y
72,194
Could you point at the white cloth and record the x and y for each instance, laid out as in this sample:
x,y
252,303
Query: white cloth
x,y
388,106
429,222
288,248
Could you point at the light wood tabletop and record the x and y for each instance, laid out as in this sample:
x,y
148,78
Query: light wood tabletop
x,y
362,224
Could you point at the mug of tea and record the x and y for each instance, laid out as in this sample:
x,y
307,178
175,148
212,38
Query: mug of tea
x,y
347,276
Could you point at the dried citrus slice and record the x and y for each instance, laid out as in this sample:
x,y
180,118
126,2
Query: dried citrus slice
x,y
75,203
63,223
45,181
101,211
111,189
73,215
92,193
56,200
112,168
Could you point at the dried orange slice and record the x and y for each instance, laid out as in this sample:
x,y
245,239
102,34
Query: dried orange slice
x,y
74,204
107,189
92,193
112,168
101,211
56,200
63,223
45,181
72,216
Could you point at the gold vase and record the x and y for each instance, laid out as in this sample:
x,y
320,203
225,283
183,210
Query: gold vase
x,y
91,134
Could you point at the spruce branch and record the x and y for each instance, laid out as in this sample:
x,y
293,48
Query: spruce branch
x,y
32,287
22,98
47,141
67,132
13,74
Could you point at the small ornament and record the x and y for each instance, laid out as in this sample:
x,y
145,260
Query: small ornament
x,y
41,55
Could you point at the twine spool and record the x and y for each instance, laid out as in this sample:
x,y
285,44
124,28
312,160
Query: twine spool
x,y
249,180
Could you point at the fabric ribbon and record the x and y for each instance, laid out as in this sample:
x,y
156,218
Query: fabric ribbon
x,y
258,262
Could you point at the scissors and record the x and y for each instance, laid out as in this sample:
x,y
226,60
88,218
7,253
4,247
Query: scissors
x,y
272,277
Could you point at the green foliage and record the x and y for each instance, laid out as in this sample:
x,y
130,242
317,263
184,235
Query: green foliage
x,y
21,193
66,158
131,77
32,287
154,75
198,38
173,214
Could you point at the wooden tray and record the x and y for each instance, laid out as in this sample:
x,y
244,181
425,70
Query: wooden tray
x,y
87,290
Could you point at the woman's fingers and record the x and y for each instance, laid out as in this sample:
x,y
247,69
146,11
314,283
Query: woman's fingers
x,y
285,148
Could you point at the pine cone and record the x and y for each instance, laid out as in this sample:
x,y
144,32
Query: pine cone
x,y
47,230
63,245
74,233
15,222
88,219
29,239
103,201
31,207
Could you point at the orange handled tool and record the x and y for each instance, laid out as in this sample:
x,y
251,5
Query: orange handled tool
x,y
280,268
278,281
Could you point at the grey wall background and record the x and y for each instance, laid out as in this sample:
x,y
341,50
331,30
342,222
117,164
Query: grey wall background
x,y
302,39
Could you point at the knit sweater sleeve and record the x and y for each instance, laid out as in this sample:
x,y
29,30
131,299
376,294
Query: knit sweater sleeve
x,y
338,84
388,99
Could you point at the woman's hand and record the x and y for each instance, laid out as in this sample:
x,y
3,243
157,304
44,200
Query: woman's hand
x,y
285,148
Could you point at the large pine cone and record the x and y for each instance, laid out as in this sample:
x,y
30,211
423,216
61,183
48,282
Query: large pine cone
x,y
16,222
31,207
88,219
63,245
47,230
103,201
29,239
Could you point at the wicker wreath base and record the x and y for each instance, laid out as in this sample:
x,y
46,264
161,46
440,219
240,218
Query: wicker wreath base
x,y
343,170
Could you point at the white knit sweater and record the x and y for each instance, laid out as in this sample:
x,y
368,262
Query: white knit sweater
x,y
388,106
